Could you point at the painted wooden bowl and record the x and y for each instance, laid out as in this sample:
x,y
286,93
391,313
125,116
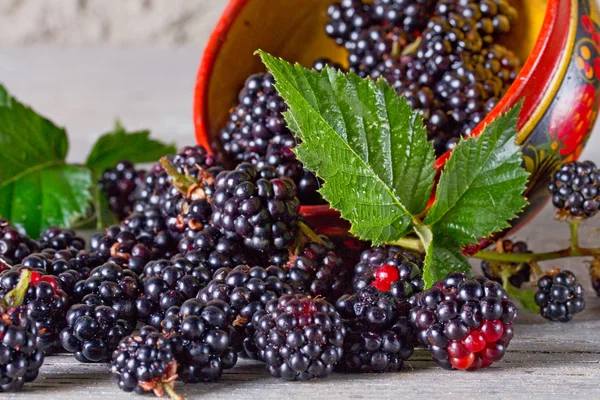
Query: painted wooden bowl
x,y
559,82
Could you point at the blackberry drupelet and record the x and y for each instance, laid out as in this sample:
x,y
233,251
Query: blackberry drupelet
x,y
93,332
20,355
575,189
119,185
202,338
145,362
380,336
389,268
60,239
519,273
256,205
114,286
347,17
559,296
168,283
465,323
409,15
14,247
44,302
299,338
247,290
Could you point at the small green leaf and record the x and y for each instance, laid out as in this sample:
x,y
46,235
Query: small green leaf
x,y
364,141
525,296
29,141
52,196
443,257
119,144
481,187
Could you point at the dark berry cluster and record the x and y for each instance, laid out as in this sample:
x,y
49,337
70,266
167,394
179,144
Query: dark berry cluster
x,y
380,336
119,185
93,332
409,15
246,290
559,296
14,247
575,189
256,205
20,356
464,323
346,18
299,338
389,268
519,273
60,239
202,338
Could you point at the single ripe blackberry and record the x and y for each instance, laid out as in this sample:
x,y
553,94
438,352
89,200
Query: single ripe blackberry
x,y
389,268
20,355
595,275
299,338
575,189
465,323
145,362
247,290
559,296
166,284
44,302
380,336
60,239
119,185
93,332
347,17
202,338
14,247
256,205
111,285
520,273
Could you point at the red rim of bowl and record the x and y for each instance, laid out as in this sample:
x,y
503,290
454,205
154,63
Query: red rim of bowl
x,y
536,75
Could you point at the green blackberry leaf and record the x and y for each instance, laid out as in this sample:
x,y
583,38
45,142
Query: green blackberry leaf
x,y
481,187
525,296
443,256
120,144
365,142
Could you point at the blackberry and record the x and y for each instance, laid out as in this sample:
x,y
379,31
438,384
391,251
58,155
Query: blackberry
x,y
44,302
559,296
347,17
247,290
145,362
20,356
389,268
575,189
595,275
380,336
316,270
256,205
202,336
60,239
519,273
111,285
93,332
168,283
299,338
14,247
409,15
119,185
210,249
465,323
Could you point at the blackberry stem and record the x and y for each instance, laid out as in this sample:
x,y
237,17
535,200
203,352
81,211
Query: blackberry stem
x,y
410,244
305,229
171,392
574,227
15,297
186,184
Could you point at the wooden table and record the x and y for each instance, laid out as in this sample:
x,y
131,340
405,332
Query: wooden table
x,y
86,89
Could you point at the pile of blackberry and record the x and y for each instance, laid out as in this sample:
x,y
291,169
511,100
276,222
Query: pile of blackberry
x,y
119,185
14,247
559,296
380,336
20,356
575,189
465,323
389,268
257,206
201,336
299,338
247,290
520,273
346,18
166,284
60,239
257,133
93,332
